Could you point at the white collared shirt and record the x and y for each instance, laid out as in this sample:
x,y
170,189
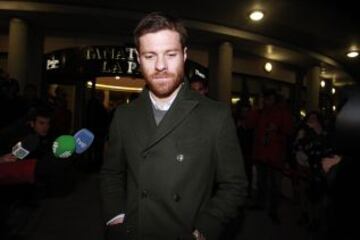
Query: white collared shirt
x,y
163,104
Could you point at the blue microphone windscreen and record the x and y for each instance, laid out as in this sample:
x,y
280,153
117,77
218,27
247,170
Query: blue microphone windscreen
x,y
83,140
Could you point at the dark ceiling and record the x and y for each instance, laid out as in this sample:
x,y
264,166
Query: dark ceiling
x,y
300,33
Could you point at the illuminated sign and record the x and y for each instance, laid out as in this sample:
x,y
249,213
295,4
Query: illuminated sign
x,y
112,60
93,61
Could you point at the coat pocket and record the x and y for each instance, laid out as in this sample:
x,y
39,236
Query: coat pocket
x,y
116,232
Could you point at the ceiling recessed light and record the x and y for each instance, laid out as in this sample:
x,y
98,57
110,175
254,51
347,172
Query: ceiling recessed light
x,y
256,15
333,90
352,54
268,67
322,83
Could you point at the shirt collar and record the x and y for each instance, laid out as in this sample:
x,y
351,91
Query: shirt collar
x,y
164,104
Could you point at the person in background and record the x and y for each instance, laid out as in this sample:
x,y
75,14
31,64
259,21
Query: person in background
x,y
61,114
98,123
242,117
51,175
173,167
38,123
11,103
273,125
311,143
20,199
199,85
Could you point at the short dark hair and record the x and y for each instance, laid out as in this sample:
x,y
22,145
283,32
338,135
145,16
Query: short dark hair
x,y
41,111
157,21
199,80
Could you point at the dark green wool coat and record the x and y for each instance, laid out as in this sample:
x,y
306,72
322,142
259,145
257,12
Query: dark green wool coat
x,y
184,174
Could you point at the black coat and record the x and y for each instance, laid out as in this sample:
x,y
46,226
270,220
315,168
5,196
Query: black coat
x,y
185,174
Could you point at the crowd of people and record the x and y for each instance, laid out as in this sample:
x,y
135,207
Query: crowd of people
x,y
319,159
28,117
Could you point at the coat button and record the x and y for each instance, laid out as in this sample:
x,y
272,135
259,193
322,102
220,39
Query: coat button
x,y
176,197
180,157
144,194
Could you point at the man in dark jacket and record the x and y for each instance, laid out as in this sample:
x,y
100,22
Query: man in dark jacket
x,y
173,167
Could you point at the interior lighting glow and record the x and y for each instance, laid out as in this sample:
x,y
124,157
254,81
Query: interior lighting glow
x,y
256,15
322,83
268,67
113,87
234,100
352,54
302,113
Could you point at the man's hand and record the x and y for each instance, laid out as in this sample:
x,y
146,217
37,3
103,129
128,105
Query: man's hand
x,y
7,158
328,162
198,235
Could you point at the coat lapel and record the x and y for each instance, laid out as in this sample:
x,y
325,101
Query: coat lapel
x,y
145,126
179,110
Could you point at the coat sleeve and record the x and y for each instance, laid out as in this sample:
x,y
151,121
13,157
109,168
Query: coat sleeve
x,y
230,186
113,173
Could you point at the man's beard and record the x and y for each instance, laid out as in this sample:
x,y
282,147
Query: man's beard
x,y
164,89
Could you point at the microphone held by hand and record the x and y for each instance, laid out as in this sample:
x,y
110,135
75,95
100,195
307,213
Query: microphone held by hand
x,y
64,146
25,147
83,140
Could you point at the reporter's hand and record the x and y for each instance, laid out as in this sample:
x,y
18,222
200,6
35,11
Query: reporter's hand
x,y
7,158
198,235
328,162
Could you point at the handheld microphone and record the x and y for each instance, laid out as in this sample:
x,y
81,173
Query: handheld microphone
x,y
64,146
23,148
83,140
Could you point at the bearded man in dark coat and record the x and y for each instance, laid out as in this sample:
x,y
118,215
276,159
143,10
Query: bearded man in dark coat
x,y
173,167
